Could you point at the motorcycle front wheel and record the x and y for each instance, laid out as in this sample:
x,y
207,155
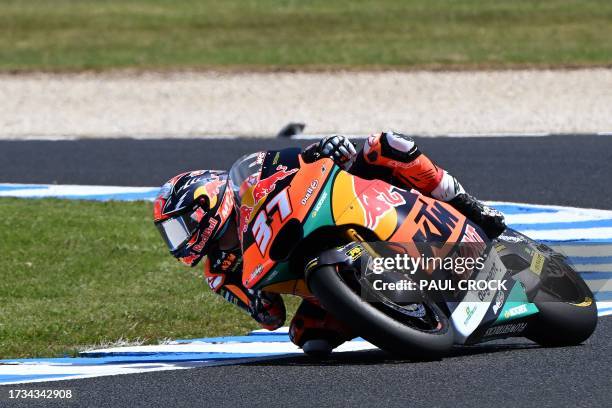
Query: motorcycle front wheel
x,y
427,334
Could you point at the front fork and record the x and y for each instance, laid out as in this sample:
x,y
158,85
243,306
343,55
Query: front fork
x,y
354,236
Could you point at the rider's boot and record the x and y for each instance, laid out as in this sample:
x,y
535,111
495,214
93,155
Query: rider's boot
x,y
407,166
488,218
316,331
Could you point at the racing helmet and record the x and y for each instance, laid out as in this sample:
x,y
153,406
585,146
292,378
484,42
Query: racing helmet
x,y
191,210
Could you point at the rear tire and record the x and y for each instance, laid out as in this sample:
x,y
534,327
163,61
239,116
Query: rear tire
x,y
562,323
374,325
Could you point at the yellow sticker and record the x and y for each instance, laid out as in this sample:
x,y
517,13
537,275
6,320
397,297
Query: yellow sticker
x,y
500,247
537,263
354,253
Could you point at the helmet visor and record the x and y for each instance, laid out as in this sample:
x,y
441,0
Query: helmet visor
x,y
176,231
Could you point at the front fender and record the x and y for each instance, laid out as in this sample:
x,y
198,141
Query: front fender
x,y
347,255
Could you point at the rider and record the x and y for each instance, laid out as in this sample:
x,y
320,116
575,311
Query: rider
x,y
198,215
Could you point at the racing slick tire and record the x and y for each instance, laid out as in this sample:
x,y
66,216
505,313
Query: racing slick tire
x,y
380,329
562,323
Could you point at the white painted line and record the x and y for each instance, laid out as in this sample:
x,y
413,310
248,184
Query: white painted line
x,y
280,330
542,206
605,313
71,190
566,215
604,305
586,250
69,372
593,267
203,347
227,347
600,285
570,234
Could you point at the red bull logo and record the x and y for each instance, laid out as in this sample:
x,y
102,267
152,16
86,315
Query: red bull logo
x,y
267,185
245,217
205,235
262,189
210,190
377,199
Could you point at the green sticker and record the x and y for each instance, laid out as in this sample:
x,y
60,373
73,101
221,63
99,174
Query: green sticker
x,y
516,306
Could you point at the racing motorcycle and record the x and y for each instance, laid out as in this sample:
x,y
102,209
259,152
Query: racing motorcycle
x,y
312,229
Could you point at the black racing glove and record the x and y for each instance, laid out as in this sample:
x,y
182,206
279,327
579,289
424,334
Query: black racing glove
x,y
268,309
337,147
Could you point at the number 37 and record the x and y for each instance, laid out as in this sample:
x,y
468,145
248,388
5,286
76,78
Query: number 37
x,y
261,230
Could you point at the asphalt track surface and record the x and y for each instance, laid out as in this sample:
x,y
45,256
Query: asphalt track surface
x,y
564,170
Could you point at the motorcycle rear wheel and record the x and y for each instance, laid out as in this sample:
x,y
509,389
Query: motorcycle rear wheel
x,y
562,321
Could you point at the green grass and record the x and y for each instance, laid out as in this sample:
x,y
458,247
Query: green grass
x,y
76,274
268,34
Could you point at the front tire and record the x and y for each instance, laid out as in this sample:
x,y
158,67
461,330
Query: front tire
x,y
375,326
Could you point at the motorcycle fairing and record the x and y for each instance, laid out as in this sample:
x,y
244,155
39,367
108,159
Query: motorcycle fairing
x,y
278,211
319,194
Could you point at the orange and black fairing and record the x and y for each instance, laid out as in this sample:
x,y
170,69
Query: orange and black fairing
x,y
302,198
394,214
273,206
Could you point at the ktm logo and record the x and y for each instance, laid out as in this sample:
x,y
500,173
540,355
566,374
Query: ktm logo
x,y
434,223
